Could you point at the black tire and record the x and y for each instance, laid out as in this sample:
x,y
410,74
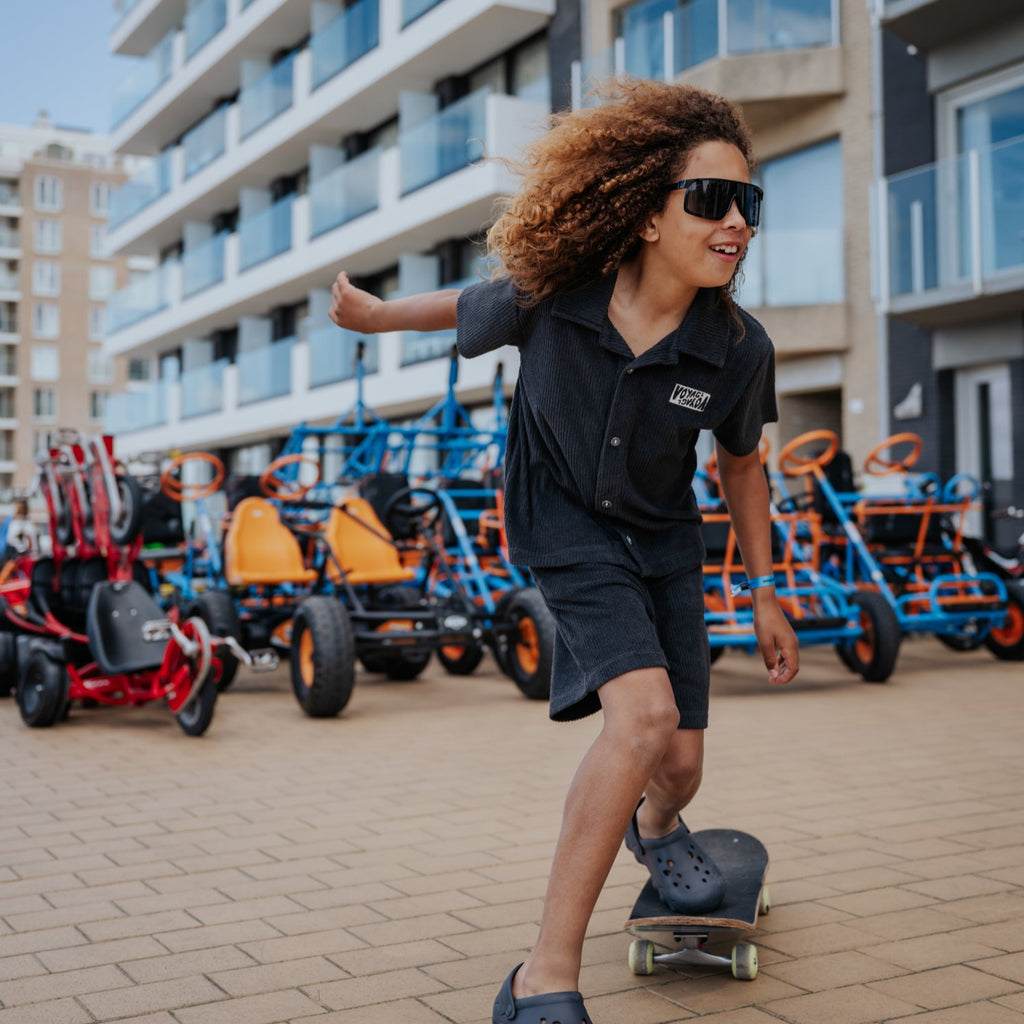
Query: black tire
x,y
42,690
8,663
959,641
217,610
460,660
1006,641
529,650
195,719
125,528
405,666
323,657
873,655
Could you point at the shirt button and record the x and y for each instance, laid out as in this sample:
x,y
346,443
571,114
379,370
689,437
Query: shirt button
x,y
606,503
615,442
630,370
629,540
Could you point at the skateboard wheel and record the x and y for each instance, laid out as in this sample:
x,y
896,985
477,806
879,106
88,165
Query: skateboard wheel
x,y
641,957
765,904
744,962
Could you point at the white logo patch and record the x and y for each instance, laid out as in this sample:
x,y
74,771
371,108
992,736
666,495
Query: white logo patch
x,y
690,398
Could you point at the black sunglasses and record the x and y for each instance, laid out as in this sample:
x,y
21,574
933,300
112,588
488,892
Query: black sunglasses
x,y
711,198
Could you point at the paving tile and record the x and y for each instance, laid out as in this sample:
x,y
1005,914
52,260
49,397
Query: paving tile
x,y
854,1004
159,995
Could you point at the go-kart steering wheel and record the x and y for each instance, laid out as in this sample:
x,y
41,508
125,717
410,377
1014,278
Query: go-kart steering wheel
x,y
797,465
401,506
175,488
275,486
711,466
877,466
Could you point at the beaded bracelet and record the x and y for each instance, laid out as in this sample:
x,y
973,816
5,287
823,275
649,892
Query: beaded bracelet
x,y
757,581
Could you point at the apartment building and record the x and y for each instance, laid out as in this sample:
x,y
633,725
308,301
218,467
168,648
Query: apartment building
x,y
56,275
291,139
950,208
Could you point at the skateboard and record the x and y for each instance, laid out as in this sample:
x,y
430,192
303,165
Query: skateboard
x,y
743,861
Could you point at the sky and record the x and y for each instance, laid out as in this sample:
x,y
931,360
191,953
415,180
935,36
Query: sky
x,y
55,57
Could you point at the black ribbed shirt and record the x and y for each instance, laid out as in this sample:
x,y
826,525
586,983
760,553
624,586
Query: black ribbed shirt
x,y
601,452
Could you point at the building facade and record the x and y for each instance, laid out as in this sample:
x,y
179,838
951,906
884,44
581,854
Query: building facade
x,y
291,139
56,275
950,208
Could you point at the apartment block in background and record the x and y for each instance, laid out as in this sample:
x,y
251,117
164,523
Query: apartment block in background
x,y
56,275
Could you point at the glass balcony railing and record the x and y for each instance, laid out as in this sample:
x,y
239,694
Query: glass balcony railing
x,y
139,191
122,8
332,355
148,74
202,390
141,298
343,41
662,45
266,234
206,141
202,23
140,409
794,267
956,223
10,238
245,3
203,266
8,322
8,361
9,196
420,347
8,410
444,143
8,282
345,193
265,372
268,96
412,9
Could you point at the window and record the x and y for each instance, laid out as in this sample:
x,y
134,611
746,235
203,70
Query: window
x,y
97,405
45,320
796,259
98,242
40,442
101,367
97,323
45,362
102,281
45,277
44,404
138,369
48,237
49,193
99,199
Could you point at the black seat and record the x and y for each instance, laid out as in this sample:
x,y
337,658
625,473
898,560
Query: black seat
x,y
117,613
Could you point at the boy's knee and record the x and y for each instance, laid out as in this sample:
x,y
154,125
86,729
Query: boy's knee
x,y
651,728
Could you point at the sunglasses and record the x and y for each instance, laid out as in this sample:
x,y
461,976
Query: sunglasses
x,y
711,198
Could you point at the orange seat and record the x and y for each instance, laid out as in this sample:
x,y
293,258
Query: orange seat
x,y
260,550
362,547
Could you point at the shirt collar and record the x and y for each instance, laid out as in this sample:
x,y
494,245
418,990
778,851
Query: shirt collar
x,y
702,334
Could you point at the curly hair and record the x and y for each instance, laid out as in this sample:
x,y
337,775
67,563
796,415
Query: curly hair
x,y
591,181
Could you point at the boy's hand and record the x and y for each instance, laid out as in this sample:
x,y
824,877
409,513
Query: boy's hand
x,y
351,307
779,645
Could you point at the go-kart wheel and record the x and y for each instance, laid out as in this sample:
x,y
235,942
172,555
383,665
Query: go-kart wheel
x,y
460,659
323,656
960,641
195,717
8,663
1006,641
404,666
873,654
217,610
42,690
641,957
125,528
744,961
528,648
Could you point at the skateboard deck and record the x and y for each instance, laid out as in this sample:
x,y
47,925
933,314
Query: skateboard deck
x,y
743,861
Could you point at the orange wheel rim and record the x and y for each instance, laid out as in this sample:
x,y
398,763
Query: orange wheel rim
x,y
1011,632
306,668
865,645
528,646
453,651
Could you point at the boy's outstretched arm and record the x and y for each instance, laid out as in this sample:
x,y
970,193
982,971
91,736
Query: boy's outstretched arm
x,y
746,493
358,310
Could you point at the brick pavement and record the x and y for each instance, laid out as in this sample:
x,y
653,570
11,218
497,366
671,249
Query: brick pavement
x,y
387,867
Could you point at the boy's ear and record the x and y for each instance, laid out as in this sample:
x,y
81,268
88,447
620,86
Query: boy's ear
x,y
651,231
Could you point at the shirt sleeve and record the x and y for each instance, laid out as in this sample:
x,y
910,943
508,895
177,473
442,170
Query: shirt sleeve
x,y
740,432
488,317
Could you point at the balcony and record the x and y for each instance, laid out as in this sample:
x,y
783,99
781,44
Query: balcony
x,y
266,234
138,192
413,9
928,24
202,266
140,409
332,355
345,193
802,267
270,95
10,201
447,142
360,93
143,297
10,287
8,321
10,244
265,372
202,390
202,23
205,142
140,24
756,52
148,74
953,237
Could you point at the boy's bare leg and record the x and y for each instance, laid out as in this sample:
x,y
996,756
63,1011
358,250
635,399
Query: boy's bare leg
x,y
673,785
640,727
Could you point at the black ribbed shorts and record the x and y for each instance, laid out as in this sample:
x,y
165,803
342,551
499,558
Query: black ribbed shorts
x,y
612,620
